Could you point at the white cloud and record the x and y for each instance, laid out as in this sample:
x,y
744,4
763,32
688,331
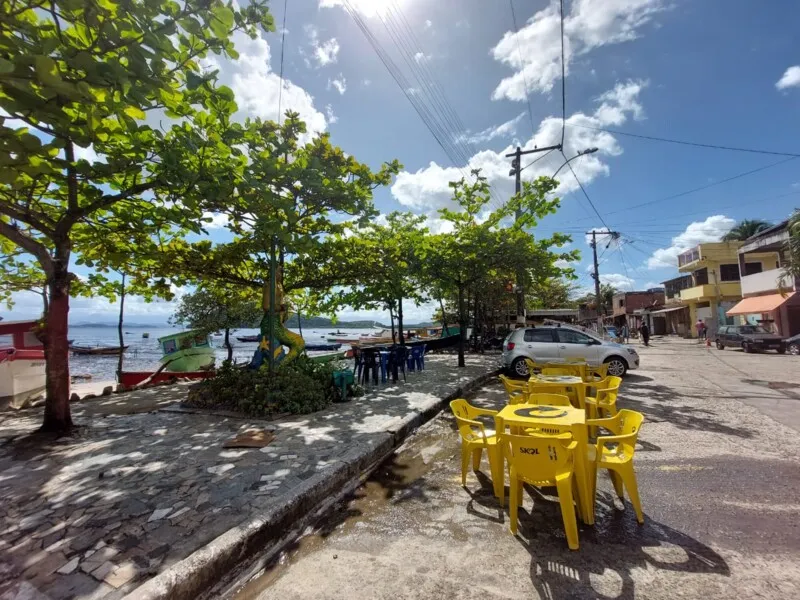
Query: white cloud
x,y
791,78
340,84
428,23
534,52
421,57
256,86
332,118
503,130
368,8
653,284
427,189
324,53
710,230
619,281
218,220
366,82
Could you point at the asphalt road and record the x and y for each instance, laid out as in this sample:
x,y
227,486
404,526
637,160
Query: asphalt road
x,y
718,475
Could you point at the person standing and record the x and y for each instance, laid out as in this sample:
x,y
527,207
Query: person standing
x,y
701,329
645,331
624,333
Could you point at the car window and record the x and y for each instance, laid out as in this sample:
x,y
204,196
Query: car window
x,y
722,330
748,329
567,336
539,335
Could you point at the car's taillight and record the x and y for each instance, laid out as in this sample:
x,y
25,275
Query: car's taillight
x,y
510,346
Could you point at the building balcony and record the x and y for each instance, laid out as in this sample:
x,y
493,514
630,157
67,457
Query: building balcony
x,y
709,291
766,282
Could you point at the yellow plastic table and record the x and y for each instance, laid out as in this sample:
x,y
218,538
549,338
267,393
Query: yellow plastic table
x,y
556,419
560,382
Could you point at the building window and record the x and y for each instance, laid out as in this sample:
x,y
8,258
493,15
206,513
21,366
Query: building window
x,y
621,303
700,277
752,268
729,272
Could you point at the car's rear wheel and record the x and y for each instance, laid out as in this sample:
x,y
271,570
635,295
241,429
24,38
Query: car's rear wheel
x,y
794,349
747,347
617,366
720,346
519,368
782,350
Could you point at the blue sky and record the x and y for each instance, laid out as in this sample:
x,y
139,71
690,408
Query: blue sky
x,y
716,72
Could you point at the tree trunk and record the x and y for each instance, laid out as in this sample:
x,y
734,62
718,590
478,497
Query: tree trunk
x,y
445,331
119,327
45,303
462,323
299,325
400,320
57,417
391,322
228,343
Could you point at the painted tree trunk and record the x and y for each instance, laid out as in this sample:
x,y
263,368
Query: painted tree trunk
x,y
445,331
57,417
391,323
462,322
119,326
228,343
400,321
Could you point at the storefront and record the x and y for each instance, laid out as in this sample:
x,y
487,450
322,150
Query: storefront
x,y
779,313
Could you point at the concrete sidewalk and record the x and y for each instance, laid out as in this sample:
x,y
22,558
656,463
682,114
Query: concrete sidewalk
x,y
154,496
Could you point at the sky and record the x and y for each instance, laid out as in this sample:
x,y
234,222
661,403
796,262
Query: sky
x,y
724,73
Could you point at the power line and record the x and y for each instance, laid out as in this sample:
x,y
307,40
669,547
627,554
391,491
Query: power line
x,y
599,216
522,66
535,160
283,43
685,143
563,81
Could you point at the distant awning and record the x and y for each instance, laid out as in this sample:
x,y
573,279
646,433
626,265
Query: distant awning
x,y
761,304
670,309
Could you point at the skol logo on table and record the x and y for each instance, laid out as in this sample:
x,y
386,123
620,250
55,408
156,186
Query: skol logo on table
x,y
529,450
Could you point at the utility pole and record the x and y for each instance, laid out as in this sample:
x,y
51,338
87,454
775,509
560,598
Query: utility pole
x,y
516,171
596,276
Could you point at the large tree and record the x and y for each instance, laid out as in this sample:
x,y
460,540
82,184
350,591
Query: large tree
x,y
77,77
488,246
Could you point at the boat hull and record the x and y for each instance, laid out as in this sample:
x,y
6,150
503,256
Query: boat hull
x,y
22,377
131,378
190,359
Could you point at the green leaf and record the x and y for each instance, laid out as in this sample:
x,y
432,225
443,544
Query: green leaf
x,y
6,66
46,70
134,112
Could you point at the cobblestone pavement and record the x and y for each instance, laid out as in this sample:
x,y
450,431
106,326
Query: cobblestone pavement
x,y
90,516
718,477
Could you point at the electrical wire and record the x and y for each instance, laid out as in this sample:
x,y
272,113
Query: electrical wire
x,y
522,66
535,160
599,216
283,43
685,143
563,81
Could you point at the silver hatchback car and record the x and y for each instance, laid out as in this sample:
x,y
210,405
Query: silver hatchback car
x,y
558,344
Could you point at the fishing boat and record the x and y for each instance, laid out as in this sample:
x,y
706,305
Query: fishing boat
x,y
341,337
22,376
186,351
131,378
326,358
97,350
249,338
322,347
145,335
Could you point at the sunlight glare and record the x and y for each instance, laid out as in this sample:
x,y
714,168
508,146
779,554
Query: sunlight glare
x,y
373,8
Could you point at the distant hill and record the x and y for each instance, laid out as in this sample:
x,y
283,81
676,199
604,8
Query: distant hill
x,y
326,322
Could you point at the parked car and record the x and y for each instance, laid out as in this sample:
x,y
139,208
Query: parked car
x,y
750,338
793,344
556,344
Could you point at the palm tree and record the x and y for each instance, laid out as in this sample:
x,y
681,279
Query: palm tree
x,y
745,229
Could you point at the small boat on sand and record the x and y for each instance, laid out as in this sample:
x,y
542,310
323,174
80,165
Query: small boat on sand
x,y
322,347
97,350
249,338
186,351
22,376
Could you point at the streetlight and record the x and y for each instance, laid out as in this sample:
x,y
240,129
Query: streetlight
x,y
580,153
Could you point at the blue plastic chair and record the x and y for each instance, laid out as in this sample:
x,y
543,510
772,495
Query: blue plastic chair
x,y
385,355
420,357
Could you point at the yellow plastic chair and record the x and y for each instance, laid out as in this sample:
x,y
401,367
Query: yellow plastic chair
x,y
565,370
604,403
575,361
539,398
596,373
532,366
475,439
515,388
542,460
618,460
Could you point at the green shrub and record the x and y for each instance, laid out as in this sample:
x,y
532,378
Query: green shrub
x,y
299,387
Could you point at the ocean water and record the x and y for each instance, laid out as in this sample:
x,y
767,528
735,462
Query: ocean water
x,y
143,354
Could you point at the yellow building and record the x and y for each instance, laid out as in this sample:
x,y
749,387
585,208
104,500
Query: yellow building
x,y
715,288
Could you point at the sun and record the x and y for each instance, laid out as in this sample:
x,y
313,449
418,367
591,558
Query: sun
x,y
373,8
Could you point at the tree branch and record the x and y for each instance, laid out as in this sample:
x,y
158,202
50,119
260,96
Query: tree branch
x,y
38,249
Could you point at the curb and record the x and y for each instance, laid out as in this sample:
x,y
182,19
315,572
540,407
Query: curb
x,y
266,534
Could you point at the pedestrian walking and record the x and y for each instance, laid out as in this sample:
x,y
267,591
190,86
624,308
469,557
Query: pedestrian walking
x,y
701,329
624,334
645,331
